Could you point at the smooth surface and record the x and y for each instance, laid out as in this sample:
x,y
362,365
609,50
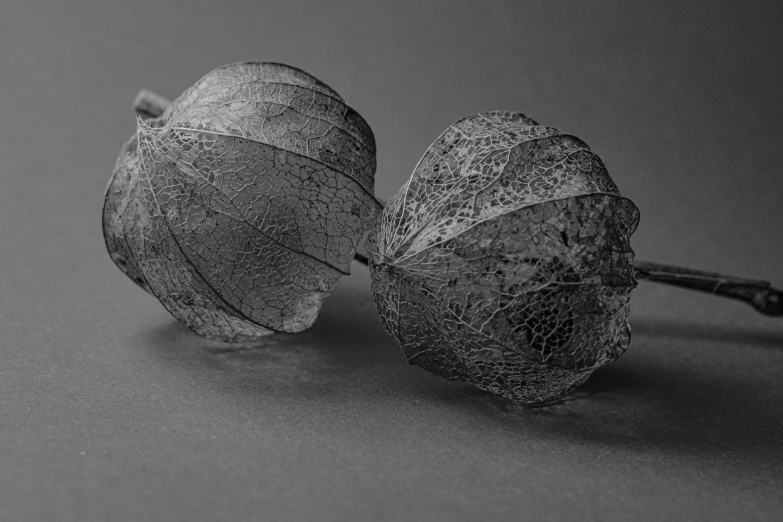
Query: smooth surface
x,y
110,410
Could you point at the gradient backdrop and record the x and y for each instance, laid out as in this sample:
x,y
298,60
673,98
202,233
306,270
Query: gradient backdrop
x,y
110,410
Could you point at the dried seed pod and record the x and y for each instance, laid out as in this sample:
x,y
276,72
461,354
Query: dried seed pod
x,y
240,207
504,261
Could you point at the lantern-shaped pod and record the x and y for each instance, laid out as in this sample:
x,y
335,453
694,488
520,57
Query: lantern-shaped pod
x,y
505,261
240,207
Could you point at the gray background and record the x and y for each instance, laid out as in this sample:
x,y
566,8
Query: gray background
x,y
110,410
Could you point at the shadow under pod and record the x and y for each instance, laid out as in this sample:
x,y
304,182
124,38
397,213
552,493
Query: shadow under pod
x,y
700,332
680,389
345,349
676,391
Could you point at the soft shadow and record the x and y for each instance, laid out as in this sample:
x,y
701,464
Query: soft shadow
x,y
711,333
346,341
678,389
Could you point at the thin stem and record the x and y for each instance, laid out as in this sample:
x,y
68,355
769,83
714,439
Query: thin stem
x,y
148,104
759,294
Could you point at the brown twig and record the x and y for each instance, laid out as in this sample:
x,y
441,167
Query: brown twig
x,y
148,104
758,293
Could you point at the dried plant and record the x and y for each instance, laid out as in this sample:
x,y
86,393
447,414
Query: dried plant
x,y
241,205
504,261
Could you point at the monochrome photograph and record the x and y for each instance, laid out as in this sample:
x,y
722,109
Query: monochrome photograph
x,y
371,260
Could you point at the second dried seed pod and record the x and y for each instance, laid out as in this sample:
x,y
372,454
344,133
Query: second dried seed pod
x,y
505,261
